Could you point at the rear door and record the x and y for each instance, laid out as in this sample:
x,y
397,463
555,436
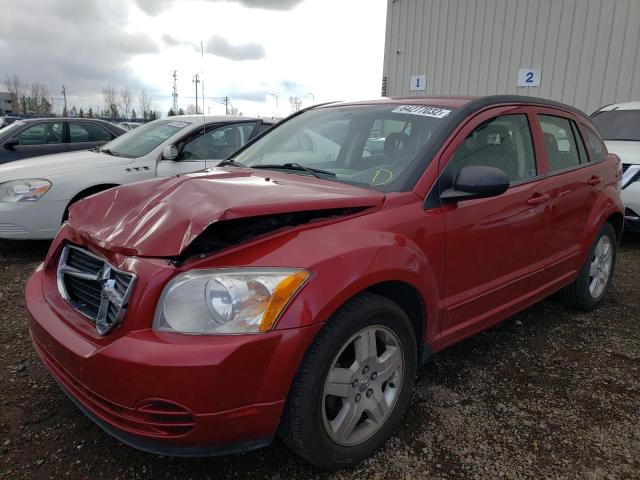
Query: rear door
x,y
85,135
495,246
574,182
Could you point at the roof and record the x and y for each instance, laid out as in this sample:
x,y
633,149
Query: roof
x,y
212,118
621,106
466,105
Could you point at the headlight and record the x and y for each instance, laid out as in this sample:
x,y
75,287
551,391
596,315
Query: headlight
x,y
227,301
28,190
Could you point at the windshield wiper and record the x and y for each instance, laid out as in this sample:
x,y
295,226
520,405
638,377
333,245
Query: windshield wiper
x,y
316,172
109,152
230,161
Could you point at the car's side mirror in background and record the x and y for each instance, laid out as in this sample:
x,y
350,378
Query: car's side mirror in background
x,y
11,144
170,152
476,181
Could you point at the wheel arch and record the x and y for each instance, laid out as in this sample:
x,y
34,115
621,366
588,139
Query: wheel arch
x,y
617,222
409,299
85,193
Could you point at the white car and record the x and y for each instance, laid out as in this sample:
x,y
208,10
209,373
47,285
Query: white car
x,y
35,193
619,126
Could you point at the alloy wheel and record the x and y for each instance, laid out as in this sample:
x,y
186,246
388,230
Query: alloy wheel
x,y
362,385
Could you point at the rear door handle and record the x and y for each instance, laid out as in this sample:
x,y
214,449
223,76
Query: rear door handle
x,y
594,181
538,199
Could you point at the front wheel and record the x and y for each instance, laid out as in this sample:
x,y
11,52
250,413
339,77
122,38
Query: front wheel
x,y
353,385
592,283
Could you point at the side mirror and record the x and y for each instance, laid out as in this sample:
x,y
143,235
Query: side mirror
x,y
11,144
170,152
476,181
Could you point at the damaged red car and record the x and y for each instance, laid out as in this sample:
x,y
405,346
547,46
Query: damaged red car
x,y
295,289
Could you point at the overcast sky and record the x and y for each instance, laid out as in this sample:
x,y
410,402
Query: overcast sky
x,y
252,48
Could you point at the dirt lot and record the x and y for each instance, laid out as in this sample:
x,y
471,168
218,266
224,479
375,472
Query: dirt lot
x,y
550,393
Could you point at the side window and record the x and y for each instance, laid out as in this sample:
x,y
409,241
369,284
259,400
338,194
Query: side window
x,y
503,142
41,134
596,147
559,142
217,144
88,132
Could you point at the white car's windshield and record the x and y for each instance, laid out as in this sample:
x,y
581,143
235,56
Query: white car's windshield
x,y
618,124
372,145
141,141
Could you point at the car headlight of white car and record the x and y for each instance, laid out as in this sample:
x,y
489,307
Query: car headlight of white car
x,y
26,190
227,301
631,175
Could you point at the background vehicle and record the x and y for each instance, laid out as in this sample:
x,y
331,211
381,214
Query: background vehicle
x,y
44,136
35,194
129,125
7,120
299,297
619,126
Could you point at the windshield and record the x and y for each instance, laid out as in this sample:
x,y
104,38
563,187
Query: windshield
x,y
618,124
371,146
141,141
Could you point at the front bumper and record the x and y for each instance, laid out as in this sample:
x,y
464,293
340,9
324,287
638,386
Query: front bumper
x,y
31,220
167,393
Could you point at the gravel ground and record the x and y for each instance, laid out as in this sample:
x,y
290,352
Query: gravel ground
x,y
550,393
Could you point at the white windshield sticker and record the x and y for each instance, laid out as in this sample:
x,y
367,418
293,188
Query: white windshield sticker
x,y
434,112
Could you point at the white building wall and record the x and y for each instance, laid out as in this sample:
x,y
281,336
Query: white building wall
x,y
588,50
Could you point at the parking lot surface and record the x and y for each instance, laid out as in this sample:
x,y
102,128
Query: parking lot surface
x,y
549,393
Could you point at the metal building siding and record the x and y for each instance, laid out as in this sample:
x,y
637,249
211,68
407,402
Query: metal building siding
x,y
588,50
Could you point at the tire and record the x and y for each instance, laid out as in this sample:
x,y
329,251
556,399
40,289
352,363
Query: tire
x,y
312,410
581,294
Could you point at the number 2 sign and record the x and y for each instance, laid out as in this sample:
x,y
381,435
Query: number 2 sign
x,y
529,77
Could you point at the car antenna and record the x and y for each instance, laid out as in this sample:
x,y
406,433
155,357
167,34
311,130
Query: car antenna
x,y
204,122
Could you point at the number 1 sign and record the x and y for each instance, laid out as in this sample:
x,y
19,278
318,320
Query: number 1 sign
x,y
529,77
418,83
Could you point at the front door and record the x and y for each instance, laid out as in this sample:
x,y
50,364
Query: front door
x,y
38,139
494,246
206,149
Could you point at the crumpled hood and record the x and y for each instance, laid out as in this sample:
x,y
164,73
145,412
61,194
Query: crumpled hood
x,y
629,152
46,166
161,217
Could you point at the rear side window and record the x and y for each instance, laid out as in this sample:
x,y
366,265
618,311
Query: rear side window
x,y
596,147
560,142
88,132
503,142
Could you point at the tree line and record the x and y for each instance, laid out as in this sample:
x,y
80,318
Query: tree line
x,y
34,99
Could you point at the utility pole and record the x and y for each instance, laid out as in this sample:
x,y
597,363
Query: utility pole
x,y
64,95
196,80
225,100
175,92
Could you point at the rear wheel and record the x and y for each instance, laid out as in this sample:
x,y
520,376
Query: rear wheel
x,y
353,385
588,290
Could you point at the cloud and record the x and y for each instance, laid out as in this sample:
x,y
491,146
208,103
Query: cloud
x,y
79,43
154,7
221,47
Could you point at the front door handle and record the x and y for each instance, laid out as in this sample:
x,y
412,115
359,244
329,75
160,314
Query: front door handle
x,y
594,181
538,199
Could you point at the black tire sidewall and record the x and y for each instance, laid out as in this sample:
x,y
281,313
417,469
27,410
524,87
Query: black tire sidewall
x,y
324,451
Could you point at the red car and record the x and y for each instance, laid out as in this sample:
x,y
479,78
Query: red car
x,y
295,289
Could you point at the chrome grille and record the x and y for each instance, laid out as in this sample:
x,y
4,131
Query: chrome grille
x,y
94,288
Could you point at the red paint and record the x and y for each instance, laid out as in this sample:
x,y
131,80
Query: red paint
x,y
473,264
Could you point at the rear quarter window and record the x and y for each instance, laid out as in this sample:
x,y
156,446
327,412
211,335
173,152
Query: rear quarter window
x,y
597,150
